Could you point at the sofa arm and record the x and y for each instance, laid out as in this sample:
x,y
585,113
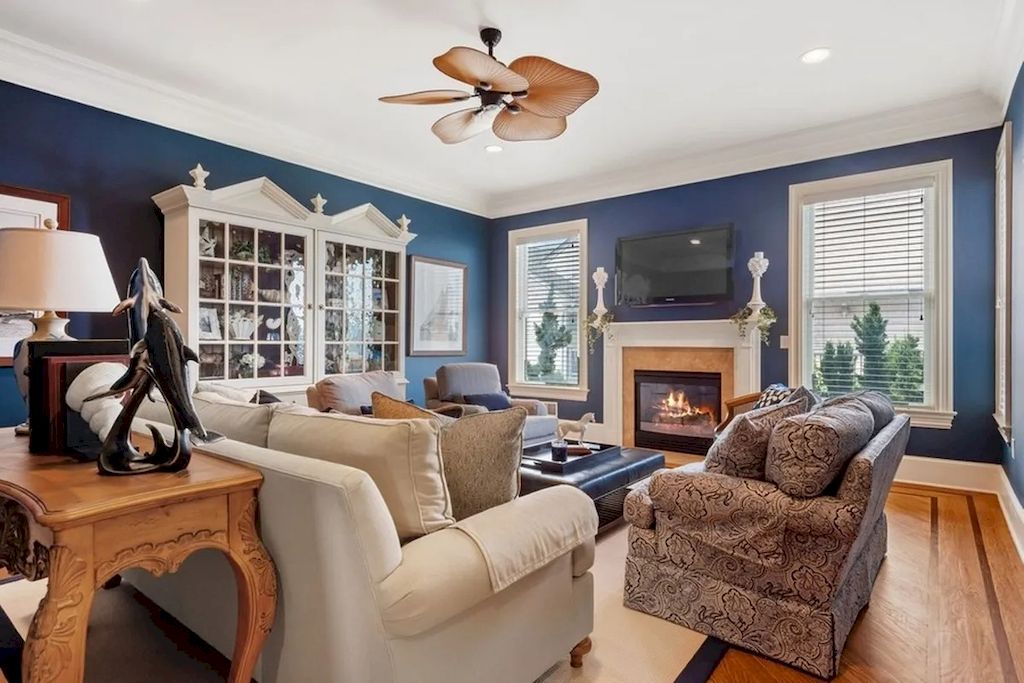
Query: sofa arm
x,y
742,517
449,571
532,405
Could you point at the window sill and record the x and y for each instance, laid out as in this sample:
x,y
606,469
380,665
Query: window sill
x,y
928,418
1003,424
549,392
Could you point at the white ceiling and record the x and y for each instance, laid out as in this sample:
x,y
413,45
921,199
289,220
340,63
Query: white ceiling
x,y
689,88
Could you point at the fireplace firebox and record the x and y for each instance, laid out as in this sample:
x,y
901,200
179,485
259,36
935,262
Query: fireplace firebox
x,y
676,410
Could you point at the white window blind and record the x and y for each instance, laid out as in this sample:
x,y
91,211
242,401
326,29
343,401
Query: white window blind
x,y
869,303
549,310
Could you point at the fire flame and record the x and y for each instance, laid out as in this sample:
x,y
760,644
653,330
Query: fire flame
x,y
677,405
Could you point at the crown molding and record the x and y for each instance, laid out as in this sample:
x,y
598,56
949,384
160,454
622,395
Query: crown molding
x,y
959,114
1007,54
45,68
48,69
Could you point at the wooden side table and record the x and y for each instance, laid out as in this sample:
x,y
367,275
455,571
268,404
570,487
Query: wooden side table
x,y
61,519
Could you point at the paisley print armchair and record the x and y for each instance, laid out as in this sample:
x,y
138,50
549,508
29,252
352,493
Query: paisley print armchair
x,y
741,560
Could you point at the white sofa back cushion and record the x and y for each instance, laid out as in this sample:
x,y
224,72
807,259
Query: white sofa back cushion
x,y
245,422
403,458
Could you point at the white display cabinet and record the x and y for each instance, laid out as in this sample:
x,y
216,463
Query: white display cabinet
x,y
276,295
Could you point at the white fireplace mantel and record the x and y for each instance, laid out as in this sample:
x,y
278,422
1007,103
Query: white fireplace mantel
x,y
719,334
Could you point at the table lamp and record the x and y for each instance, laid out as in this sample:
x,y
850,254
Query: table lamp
x,y
46,270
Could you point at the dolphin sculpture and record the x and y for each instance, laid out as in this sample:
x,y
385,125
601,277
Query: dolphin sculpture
x,y
158,359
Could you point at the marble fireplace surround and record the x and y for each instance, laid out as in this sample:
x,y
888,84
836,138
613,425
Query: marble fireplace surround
x,y
696,345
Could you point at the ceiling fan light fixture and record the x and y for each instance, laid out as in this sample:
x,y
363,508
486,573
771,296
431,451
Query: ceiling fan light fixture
x,y
816,55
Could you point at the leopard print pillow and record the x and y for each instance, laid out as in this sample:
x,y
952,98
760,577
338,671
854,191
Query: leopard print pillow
x,y
741,449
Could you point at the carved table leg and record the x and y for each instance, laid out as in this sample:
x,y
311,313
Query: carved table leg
x,y
257,585
55,647
576,654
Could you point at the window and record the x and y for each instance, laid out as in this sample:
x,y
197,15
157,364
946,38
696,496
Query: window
x,y
871,288
547,311
1004,268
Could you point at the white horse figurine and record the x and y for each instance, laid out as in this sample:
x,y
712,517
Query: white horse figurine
x,y
566,427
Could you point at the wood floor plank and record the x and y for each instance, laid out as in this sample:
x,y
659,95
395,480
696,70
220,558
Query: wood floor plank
x,y
1007,573
967,638
931,617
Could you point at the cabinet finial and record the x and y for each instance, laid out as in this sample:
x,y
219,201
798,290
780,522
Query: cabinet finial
x,y
199,175
318,203
404,222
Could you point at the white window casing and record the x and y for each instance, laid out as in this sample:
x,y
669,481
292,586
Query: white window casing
x,y
1003,272
882,237
547,271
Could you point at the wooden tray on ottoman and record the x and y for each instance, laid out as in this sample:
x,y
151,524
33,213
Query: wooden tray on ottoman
x,y
540,458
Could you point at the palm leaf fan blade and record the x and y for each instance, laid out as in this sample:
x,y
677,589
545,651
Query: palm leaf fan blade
x,y
523,125
478,69
555,90
428,97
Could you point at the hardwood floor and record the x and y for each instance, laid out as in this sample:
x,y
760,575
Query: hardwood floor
x,y
948,604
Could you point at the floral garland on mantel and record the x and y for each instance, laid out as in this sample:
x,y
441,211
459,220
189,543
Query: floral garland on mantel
x,y
764,321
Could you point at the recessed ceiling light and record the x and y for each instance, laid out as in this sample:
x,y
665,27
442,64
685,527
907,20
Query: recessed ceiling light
x,y
816,56
695,241
493,149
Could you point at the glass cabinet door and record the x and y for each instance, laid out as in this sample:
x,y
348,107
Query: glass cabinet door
x,y
359,304
252,302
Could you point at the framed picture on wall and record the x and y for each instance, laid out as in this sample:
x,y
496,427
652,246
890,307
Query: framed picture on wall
x,y
22,207
437,307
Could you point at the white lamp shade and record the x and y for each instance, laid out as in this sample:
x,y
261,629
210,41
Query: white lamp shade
x,y
54,270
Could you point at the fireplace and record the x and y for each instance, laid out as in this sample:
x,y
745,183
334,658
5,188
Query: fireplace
x,y
676,410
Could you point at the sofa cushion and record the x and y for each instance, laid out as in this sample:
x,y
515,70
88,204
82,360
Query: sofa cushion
x,y
403,457
878,403
349,393
740,450
455,380
539,428
480,453
498,400
237,420
230,393
807,452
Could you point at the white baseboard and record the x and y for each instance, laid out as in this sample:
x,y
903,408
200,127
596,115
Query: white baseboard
x,y
917,469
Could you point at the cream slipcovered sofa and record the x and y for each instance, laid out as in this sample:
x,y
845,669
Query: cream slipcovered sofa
x,y
503,595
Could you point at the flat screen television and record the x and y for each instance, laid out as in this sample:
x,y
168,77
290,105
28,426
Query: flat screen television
x,y
677,268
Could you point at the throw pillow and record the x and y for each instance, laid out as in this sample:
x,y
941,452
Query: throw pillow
x,y
480,453
264,397
807,452
804,393
496,401
403,457
741,449
773,395
227,392
878,403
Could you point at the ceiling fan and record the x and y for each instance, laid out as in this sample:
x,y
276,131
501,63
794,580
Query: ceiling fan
x,y
526,100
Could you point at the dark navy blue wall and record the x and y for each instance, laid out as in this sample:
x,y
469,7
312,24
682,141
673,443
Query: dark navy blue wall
x,y
758,205
111,165
1015,112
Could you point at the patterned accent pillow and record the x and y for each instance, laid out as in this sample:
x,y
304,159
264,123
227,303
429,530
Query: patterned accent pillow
x,y
773,395
481,456
878,403
807,452
741,449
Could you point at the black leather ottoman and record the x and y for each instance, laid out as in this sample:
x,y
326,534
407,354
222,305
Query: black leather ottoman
x,y
606,482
